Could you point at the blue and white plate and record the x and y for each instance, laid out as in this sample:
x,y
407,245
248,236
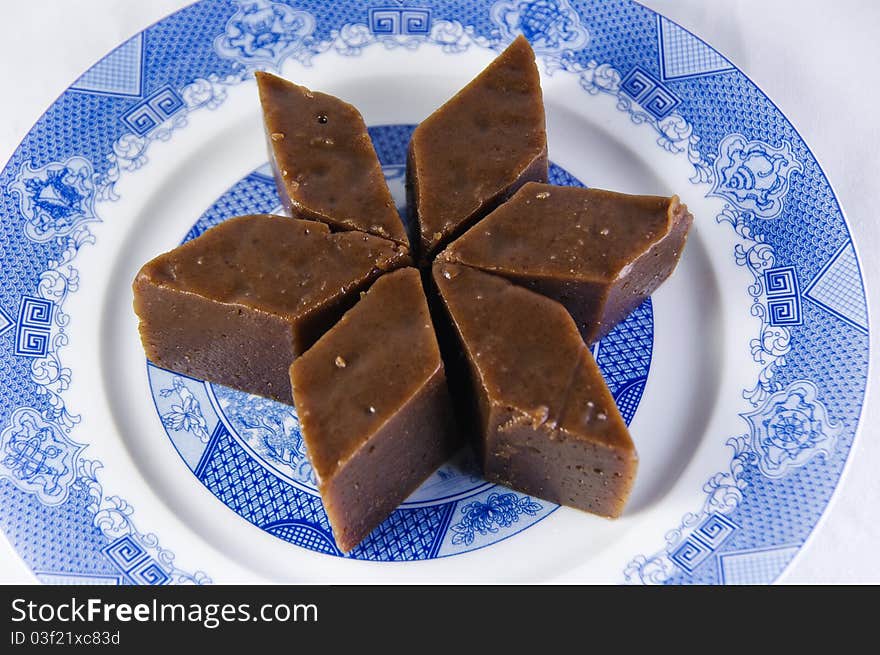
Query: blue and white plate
x,y
742,379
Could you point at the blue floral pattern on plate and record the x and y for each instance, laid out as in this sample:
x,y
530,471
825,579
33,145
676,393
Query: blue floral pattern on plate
x,y
500,510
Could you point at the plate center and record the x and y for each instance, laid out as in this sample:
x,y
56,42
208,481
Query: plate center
x,y
225,435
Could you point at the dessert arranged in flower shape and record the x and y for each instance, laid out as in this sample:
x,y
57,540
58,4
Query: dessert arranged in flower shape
x,y
392,368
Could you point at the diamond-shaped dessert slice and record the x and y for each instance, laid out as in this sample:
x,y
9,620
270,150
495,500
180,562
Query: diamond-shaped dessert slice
x,y
599,253
237,304
477,149
326,168
373,406
544,420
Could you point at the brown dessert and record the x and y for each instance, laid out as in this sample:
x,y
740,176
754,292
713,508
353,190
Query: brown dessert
x,y
477,149
326,168
599,253
373,406
547,423
237,304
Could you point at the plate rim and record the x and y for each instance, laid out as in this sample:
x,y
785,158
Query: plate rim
x,y
866,392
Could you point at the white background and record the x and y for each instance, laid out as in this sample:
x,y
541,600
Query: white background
x,y
816,60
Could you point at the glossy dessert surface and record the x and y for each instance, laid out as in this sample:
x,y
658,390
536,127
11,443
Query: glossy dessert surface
x,y
544,420
477,149
599,253
373,406
237,304
326,168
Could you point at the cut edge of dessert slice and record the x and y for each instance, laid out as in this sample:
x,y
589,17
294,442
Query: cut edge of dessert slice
x,y
474,151
546,423
237,304
599,253
325,166
373,405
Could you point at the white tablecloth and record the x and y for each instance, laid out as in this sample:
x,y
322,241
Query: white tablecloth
x,y
817,60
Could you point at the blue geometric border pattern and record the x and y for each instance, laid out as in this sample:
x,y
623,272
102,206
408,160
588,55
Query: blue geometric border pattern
x,y
783,297
778,202
703,541
837,288
6,323
152,112
49,577
414,21
249,453
34,327
650,93
756,566
684,55
118,74
133,560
